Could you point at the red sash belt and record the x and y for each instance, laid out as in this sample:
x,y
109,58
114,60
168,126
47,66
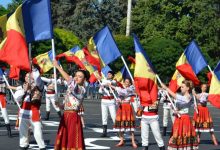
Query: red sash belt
x,y
108,97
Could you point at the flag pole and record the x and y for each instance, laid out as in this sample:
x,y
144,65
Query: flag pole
x,y
6,81
54,69
174,107
126,66
210,69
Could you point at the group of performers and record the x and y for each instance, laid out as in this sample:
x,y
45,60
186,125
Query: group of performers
x,y
119,101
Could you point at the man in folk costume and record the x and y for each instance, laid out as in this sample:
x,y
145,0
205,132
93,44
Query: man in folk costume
x,y
167,109
30,94
3,105
150,119
107,101
50,96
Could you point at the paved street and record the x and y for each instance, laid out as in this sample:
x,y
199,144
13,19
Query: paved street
x,y
93,130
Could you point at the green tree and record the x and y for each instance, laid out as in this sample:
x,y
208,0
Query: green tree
x,y
179,21
3,10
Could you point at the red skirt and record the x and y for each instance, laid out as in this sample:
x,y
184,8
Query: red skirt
x,y
183,135
70,133
125,120
203,120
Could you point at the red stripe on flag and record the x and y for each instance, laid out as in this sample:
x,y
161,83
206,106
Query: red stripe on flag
x,y
187,72
173,86
15,51
214,100
14,73
92,60
146,90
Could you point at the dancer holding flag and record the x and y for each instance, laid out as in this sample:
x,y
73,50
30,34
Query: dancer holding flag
x,y
125,119
107,101
202,120
183,135
30,94
70,132
147,90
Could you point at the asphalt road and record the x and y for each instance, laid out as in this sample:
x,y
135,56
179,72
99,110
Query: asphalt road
x,y
93,130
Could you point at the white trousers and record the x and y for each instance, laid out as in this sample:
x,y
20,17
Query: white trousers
x,y
154,124
108,105
3,109
5,115
24,125
50,98
166,112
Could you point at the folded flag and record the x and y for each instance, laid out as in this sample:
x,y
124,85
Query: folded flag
x,y
191,62
44,61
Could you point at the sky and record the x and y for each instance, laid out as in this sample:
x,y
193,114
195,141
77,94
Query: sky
x,y
5,2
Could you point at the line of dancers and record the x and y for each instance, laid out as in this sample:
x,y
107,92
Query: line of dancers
x,y
120,101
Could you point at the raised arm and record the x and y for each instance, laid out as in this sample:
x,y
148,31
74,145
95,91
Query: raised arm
x,y
62,72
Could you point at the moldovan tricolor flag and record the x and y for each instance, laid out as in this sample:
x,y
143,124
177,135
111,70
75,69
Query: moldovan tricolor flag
x,y
144,76
30,22
191,63
214,91
44,61
70,56
121,75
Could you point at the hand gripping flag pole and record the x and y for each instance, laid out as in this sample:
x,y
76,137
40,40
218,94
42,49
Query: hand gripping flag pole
x,y
174,107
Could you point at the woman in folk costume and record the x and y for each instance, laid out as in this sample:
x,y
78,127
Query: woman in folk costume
x,y
183,134
70,132
125,120
203,120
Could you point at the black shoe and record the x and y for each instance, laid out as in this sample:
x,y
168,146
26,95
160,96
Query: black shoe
x,y
164,131
162,148
9,130
23,148
47,115
59,114
42,148
145,148
104,134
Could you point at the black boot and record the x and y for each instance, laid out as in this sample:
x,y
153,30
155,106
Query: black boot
x,y
164,131
8,129
145,148
104,134
47,115
162,148
59,114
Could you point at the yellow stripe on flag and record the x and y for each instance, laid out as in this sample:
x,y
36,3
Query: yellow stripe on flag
x,y
215,85
15,21
142,68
